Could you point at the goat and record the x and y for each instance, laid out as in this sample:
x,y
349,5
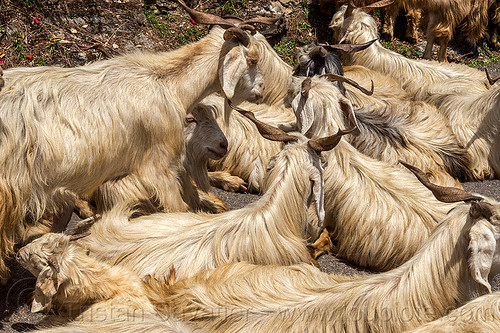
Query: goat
x,y
413,17
268,231
455,264
366,199
479,315
391,129
203,140
473,117
95,295
249,152
413,75
72,128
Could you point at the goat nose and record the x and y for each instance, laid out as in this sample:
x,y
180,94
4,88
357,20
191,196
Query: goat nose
x,y
223,146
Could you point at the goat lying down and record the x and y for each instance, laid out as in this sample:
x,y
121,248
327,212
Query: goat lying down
x,y
76,128
268,231
390,130
250,152
413,75
455,264
203,140
88,295
474,118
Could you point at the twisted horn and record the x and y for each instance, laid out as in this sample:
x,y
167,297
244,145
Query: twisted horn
x,y
318,51
205,18
442,193
241,35
328,142
306,86
267,131
478,209
335,77
351,47
75,237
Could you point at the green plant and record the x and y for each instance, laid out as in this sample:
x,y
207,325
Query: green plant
x,y
18,46
154,22
231,6
403,48
304,24
286,49
40,61
190,33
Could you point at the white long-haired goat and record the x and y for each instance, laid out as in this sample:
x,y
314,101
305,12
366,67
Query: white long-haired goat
x,y
454,265
474,117
76,128
268,231
391,129
203,140
94,295
360,27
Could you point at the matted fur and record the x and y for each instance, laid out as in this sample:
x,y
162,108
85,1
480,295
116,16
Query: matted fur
x,y
268,231
474,117
412,74
77,128
479,315
391,130
250,298
91,295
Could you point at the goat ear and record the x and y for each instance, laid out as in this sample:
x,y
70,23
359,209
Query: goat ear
x,y
304,111
317,193
45,289
233,67
482,246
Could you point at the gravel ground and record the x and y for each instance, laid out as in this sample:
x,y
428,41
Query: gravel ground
x,y
15,302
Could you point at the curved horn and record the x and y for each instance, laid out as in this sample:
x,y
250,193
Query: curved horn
x,y
478,209
328,142
306,86
442,193
238,33
75,237
351,47
490,79
318,51
262,19
267,131
205,18
335,77
378,4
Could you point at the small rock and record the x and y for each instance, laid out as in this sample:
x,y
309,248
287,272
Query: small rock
x,y
115,46
73,30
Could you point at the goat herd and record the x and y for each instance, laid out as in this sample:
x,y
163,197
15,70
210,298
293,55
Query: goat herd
x,y
358,145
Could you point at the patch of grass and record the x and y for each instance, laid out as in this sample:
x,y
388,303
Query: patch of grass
x,y
190,33
286,49
403,48
305,24
231,6
155,22
18,46
40,61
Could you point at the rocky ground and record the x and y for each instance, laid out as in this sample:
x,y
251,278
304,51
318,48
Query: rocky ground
x,y
75,32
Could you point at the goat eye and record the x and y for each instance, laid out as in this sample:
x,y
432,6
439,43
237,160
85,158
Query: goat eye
x,y
190,120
